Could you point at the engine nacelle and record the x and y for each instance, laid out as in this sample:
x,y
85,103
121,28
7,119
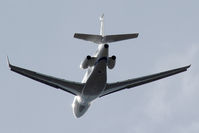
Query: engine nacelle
x,y
111,62
88,61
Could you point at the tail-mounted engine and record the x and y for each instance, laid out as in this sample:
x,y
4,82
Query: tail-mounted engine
x,y
88,62
111,62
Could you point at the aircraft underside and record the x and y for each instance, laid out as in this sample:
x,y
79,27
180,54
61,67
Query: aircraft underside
x,y
94,83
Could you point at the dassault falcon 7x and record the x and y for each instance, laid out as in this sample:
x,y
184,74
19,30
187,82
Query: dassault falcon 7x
x,y
94,84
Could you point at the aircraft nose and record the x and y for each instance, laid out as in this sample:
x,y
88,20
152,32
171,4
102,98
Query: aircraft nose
x,y
79,109
77,115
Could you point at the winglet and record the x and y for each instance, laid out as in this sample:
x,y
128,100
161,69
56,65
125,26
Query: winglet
x,y
8,61
188,66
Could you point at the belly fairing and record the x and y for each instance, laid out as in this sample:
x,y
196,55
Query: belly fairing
x,y
96,81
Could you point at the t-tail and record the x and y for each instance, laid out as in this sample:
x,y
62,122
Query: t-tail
x,y
103,39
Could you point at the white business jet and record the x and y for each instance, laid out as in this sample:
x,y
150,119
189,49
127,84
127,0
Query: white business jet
x,y
94,83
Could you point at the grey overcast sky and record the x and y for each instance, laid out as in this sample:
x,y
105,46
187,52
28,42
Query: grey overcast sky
x,y
38,35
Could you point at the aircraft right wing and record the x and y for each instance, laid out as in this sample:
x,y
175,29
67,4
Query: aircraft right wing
x,y
117,86
74,88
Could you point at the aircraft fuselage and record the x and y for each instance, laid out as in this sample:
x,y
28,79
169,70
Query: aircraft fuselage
x,y
95,81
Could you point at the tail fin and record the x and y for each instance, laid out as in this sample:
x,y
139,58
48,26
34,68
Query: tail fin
x,y
99,39
102,25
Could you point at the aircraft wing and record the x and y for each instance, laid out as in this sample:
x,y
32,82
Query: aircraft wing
x,y
74,88
117,86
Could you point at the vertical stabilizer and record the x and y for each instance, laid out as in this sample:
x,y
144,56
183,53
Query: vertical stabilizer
x,y
102,25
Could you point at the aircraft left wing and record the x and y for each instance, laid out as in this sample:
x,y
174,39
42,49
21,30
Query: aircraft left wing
x,y
74,88
117,86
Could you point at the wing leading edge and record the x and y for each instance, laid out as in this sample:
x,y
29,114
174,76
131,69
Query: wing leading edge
x,y
74,88
117,86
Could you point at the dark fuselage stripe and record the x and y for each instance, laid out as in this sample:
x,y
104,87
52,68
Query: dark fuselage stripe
x,y
100,59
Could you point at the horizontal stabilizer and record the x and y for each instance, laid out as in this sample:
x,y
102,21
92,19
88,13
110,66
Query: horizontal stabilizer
x,y
87,37
121,37
98,39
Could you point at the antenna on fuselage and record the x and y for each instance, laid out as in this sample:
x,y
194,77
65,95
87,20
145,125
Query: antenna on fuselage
x,y
102,25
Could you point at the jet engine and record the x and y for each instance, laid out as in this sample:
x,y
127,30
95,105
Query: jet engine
x,y
111,62
88,61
